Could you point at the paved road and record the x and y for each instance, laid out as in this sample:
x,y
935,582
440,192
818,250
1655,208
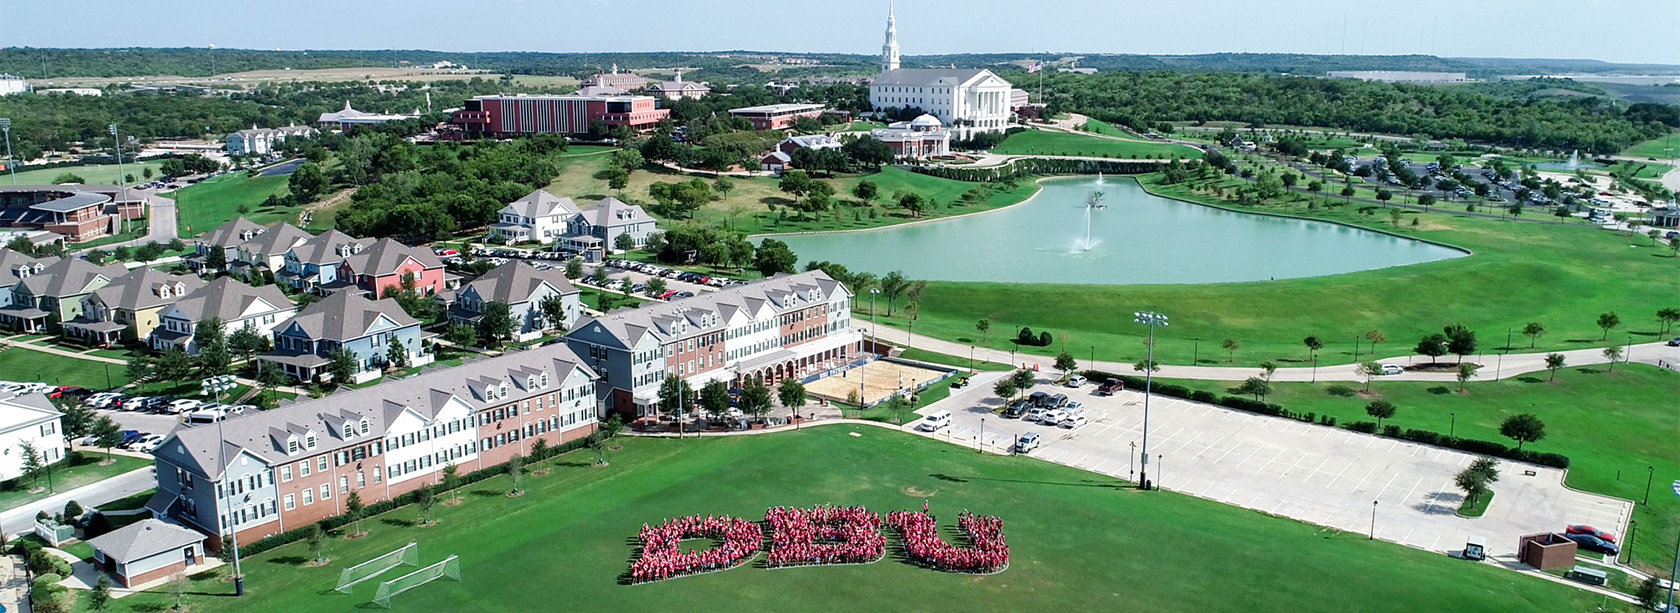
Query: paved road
x,y
1493,366
20,519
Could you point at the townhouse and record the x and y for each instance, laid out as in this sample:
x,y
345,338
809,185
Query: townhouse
x,y
537,217
524,289
787,326
315,262
266,472
53,294
226,237
15,267
238,305
368,329
387,265
130,307
268,248
34,420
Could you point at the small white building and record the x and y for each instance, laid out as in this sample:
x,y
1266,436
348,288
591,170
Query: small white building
x,y
917,139
260,141
12,85
538,217
29,419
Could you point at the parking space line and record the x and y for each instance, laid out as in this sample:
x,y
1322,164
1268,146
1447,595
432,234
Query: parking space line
x,y
1339,475
1314,472
1292,466
1209,447
1099,464
1269,462
1362,480
1385,486
1414,488
1186,443
1246,457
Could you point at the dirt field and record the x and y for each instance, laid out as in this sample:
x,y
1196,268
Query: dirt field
x,y
246,79
880,379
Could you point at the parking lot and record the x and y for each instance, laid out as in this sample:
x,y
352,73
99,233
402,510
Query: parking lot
x,y
1322,475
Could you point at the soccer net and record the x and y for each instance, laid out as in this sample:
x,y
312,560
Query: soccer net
x,y
408,555
449,568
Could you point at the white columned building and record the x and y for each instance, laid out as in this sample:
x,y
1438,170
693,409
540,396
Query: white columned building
x,y
967,100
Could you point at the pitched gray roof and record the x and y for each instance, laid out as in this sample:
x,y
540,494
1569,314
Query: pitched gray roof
x,y
263,433
347,315
514,281
24,411
695,314
69,277
540,203
385,255
144,538
226,298
324,247
612,212
277,239
231,233
10,261
138,289
927,76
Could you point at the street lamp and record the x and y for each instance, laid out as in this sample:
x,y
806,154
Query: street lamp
x,y
1373,521
1650,473
1452,428
1129,462
978,442
1160,468
1150,319
6,126
873,344
116,143
214,386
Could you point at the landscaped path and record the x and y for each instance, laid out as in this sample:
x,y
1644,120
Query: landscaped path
x,y
94,358
1493,365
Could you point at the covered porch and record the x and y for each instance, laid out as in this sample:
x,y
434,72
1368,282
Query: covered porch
x,y
24,318
94,333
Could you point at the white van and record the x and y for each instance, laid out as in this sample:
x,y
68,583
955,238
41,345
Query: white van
x,y
934,421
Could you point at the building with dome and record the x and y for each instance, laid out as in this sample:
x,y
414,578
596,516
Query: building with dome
x,y
967,100
919,138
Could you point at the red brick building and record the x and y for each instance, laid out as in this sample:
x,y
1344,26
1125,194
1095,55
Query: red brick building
x,y
506,116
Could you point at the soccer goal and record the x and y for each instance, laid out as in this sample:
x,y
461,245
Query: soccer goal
x,y
408,555
449,568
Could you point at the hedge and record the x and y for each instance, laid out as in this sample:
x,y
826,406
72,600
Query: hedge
x,y
333,523
1028,166
1427,437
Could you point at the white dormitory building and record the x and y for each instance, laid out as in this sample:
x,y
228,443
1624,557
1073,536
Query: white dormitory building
x,y
261,141
29,419
12,85
967,100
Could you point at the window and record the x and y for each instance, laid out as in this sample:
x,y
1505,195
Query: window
x,y
310,441
291,502
364,426
303,468
343,484
326,491
361,480
321,464
308,496
286,473
349,431
291,445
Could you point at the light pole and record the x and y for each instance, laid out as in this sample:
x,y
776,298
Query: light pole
x,y
1373,521
1160,468
1129,461
873,344
1452,429
6,126
1627,356
1196,352
116,144
1150,319
978,442
1650,473
215,386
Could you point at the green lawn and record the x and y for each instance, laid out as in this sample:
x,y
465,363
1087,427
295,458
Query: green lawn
x,y
1561,276
203,206
1043,142
91,174
1656,147
28,365
1612,425
1078,542
67,476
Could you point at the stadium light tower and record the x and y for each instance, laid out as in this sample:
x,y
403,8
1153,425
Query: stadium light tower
x,y
214,386
1150,319
6,126
122,184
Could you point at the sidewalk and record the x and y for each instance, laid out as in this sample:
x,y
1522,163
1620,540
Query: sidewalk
x,y
21,519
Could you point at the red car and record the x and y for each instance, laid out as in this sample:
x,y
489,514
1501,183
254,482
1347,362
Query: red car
x,y
1590,531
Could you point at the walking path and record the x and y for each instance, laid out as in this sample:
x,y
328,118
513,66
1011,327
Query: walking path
x,y
1494,366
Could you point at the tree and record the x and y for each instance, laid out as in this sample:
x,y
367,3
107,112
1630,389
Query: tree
x,y
574,268
1313,345
308,182
617,180
624,242
792,394
317,541
722,185
1650,593
396,356
755,399
913,202
31,461
1606,321
427,498
178,586
1023,379
714,399
774,256
211,337
1256,387
247,343
628,159
1374,336
353,509
553,309
1384,195
1433,345
1268,368
1476,478
655,287
1460,341
1370,371
1465,372
342,365
452,480
1554,361
674,395
1667,316
1145,365
106,434
516,473
866,191
1523,428
984,326
1533,331
892,286
1230,346
1380,409
100,598
1613,353
1004,389
1066,363
216,259
495,324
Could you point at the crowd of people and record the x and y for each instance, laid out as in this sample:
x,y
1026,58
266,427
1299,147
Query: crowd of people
x,y
987,552
662,557
824,535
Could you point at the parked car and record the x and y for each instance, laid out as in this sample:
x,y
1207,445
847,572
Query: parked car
x,y
1674,342
1027,442
134,403
1073,422
147,443
1053,417
183,405
1392,369
1075,381
1015,409
1036,414
934,421
128,438
1589,530
1040,399
1110,387
1074,407
1594,544
1058,400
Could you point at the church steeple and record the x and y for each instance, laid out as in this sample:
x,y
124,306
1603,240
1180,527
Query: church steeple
x,y
889,51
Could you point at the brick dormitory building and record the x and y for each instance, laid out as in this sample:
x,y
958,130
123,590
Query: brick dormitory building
x,y
268,472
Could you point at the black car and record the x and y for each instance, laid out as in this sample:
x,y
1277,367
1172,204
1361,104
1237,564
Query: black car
x,y
1038,399
1595,544
1015,409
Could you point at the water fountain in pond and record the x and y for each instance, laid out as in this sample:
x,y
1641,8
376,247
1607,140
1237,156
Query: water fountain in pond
x,y
1574,160
1093,201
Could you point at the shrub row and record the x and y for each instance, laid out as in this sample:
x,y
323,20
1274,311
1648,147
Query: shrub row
x,y
1427,437
383,506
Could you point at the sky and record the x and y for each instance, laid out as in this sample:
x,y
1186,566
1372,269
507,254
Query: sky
x,y
1629,31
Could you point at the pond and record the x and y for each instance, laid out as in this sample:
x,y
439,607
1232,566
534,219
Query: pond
x,y
1134,237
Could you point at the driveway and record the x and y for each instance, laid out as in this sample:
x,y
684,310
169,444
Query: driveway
x,y
1317,474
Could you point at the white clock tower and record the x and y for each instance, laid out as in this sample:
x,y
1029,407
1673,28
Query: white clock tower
x,y
889,51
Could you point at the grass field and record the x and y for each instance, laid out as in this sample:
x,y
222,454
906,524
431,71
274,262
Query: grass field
x,y
66,477
203,206
91,174
1561,276
748,206
1041,142
1612,425
29,365
1656,147
1078,542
